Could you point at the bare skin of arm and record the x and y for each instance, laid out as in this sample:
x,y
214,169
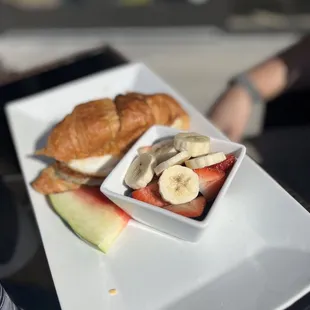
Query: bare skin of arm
x,y
288,70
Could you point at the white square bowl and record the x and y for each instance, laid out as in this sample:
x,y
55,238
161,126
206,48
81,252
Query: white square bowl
x,y
163,220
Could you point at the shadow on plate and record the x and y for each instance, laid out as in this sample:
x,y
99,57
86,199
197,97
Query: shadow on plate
x,y
41,143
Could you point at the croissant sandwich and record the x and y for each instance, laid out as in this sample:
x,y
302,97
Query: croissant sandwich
x,y
89,142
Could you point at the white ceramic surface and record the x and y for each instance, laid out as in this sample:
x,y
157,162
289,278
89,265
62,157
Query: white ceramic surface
x,y
257,256
173,224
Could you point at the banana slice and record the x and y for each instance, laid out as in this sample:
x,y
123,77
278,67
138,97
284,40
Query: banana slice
x,y
177,159
178,185
163,143
155,147
144,149
141,171
164,153
162,150
205,161
193,143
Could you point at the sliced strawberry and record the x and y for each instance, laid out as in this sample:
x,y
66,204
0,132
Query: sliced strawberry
x,y
193,208
210,189
226,164
150,194
210,181
208,174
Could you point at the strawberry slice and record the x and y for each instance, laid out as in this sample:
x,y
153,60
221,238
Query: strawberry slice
x,y
211,189
210,181
226,164
208,174
150,194
193,208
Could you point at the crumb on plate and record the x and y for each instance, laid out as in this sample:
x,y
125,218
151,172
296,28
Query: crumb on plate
x,y
113,291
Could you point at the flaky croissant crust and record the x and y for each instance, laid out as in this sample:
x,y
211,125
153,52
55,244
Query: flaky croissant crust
x,y
104,126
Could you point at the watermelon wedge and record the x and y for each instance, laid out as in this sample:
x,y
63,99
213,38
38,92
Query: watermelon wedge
x,y
91,215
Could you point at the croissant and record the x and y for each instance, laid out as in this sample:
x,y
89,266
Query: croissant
x,y
49,183
106,127
89,142
58,178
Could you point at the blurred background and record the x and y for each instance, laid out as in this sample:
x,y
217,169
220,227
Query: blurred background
x,y
44,43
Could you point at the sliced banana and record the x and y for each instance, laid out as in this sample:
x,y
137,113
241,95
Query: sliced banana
x,y
155,147
144,149
205,161
164,153
162,150
161,144
177,159
178,185
141,171
193,143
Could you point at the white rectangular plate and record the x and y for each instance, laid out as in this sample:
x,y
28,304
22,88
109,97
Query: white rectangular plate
x,y
254,255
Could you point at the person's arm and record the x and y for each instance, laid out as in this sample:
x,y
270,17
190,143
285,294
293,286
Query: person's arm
x,y
288,69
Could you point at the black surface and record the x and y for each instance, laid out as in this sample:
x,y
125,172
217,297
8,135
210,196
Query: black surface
x,y
31,297
289,109
8,224
67,70
302,304
95,13
285,153
244,7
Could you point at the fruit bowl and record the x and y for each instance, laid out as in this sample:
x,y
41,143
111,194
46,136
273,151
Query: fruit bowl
x,y
189,229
